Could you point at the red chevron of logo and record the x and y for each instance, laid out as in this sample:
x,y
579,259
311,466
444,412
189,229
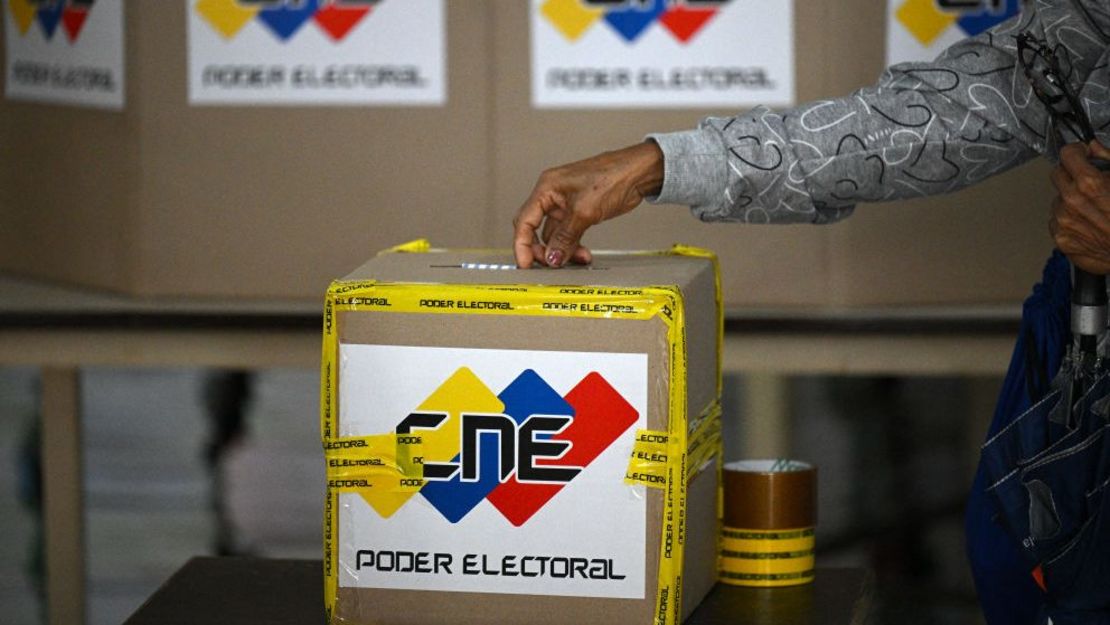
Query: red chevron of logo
x,y
684,22
337,20
601,416
73,20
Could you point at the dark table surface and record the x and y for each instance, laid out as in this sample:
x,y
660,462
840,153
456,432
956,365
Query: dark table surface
x,y
250,591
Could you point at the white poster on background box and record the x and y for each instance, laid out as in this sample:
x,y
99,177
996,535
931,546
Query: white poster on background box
x,y
544,508
317,52
919,30
65,52
662,53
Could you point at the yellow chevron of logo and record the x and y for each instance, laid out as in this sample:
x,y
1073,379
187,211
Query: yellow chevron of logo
x,y
228,17
24,14
924,20
569,17
463,391
384,495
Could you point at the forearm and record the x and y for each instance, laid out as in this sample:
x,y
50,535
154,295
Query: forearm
x,y
924,129
814,163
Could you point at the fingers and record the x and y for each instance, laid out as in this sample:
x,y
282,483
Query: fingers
x,y
524,233
582,256
544,213
1069,193
1099,151
1068,227
1080,219
1074,217
549,226
1075,209
571,198
1091,182
563,242
528,221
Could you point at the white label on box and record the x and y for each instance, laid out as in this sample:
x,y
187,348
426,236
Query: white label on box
x,y
538,505
919,30
317,52
65,52
662,53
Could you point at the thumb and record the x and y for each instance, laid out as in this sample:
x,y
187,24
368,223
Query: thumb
x,y
564,240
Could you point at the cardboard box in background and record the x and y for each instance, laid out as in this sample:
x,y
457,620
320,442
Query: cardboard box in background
x,y
167,199
418,339
255,201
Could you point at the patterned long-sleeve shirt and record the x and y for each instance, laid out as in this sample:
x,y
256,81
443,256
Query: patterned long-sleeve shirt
x,y
923,129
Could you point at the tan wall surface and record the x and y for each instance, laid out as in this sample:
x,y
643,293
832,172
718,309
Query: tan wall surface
x,y
275,201
984,244
66,189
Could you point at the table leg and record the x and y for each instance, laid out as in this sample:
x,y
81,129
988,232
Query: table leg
x,y
63,502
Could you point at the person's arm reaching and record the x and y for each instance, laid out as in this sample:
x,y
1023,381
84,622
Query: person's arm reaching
x,y
578,195
924,129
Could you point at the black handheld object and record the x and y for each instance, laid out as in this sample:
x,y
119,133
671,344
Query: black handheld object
x,y
1044,69
1088,309
1089,300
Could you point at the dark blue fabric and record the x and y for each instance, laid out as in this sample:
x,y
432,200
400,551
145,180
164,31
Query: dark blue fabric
x,y
1078,579
1022,439
1062,473
1007,592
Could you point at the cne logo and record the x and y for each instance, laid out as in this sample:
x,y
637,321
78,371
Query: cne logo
x,y
516,449
49,14
928,19
284,18
631,18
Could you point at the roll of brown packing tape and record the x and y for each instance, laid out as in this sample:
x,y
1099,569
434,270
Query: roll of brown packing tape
x,y
770,510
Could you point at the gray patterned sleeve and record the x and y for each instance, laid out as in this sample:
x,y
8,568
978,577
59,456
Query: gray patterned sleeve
x,y
923,129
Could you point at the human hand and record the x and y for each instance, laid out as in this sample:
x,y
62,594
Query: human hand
x,y
570,198
1080,222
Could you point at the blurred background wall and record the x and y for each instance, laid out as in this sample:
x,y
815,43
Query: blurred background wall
x,y
167,199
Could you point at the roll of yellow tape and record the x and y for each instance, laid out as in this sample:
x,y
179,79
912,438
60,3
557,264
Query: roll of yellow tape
x,y
770,511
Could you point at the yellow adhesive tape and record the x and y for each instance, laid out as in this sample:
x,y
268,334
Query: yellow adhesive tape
x,y
705,442
417,246
389,463
331,535
648,463
729,555
649,460
666,303
590,302
768,563
673,539
766,557
697,252
766,580
549,301
748,541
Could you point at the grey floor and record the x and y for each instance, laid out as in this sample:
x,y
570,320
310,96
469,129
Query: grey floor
x,y
894,457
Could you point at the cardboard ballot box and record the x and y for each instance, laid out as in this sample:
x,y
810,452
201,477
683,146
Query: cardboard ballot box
x,y
521,446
